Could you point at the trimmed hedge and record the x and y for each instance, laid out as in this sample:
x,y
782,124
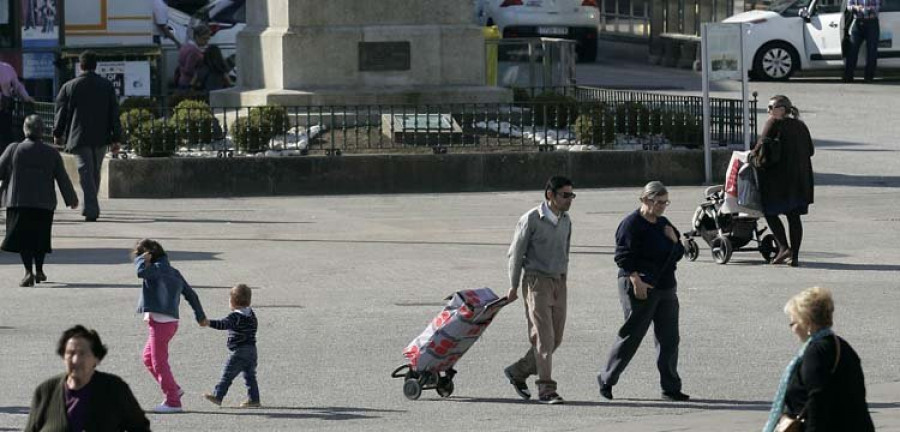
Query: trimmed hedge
x,y
253,133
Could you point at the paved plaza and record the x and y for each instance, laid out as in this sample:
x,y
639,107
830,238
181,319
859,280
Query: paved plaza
x,y
343,283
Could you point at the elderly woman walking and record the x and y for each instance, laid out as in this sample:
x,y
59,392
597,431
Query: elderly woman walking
x,y
823,386
647,248
28,170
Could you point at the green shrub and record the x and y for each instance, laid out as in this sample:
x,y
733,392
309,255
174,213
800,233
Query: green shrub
x,y
138,102
193,122
133,118
632,118
554,110
682,128
596,126
253,133
154,138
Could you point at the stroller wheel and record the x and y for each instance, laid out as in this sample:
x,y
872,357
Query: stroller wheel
x,y
721,249
691,249
412,389
445,387
768,247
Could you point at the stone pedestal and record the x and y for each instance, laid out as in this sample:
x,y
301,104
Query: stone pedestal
x,y
353,52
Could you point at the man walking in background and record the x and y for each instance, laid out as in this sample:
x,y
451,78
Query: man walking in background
x,y
541,246
87,121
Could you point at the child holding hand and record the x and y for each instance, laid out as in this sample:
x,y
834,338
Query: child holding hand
x,y
241,325
162,288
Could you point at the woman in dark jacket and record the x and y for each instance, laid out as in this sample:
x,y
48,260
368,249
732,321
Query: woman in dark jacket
x,y
824,385
786,186
213,72
28,170
647,248
84,399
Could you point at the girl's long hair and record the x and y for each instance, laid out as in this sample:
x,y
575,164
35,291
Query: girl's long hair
x,y
147,245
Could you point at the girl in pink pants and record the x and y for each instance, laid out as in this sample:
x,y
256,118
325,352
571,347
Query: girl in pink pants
x,y
163,287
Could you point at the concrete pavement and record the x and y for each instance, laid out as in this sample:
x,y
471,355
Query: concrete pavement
x,y
344,283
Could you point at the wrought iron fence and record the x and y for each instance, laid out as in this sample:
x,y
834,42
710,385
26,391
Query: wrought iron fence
x,y
542,119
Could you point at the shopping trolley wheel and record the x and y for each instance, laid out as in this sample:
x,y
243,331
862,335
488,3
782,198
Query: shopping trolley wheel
x,y
412,389
691,249
721,249
445,387
768,247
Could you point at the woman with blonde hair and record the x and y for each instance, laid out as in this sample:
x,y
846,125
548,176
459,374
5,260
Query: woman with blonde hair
x,y
823,386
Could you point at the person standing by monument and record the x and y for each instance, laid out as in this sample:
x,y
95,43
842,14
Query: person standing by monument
x,y
87,121
541,246
10,90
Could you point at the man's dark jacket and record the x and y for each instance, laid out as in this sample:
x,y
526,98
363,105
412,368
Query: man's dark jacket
x,y
87,112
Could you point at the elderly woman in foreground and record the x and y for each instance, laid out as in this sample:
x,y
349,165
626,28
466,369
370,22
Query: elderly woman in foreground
x,y
83,399
823,386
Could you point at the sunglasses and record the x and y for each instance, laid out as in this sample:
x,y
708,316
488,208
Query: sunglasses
x,y
660,203
771,107
567,195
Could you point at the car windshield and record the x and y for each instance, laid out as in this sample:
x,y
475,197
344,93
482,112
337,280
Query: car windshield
x,y
227,11
788,7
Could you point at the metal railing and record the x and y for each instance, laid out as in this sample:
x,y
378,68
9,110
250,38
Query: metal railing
x,y
541,119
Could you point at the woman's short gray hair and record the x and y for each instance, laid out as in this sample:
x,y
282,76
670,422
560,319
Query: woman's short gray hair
x,y
653,190
33,127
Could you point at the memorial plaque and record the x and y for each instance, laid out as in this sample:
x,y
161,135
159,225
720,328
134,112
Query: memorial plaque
x,y
384,56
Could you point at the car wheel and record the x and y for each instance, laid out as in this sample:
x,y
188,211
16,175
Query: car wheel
x,y
776,61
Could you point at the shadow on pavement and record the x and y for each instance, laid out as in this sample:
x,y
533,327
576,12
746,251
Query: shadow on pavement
x,y
325,413
846,266
831,179
105,256
13,410
707,404
137,285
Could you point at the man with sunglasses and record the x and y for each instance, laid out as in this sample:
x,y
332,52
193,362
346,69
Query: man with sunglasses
x,y
540,247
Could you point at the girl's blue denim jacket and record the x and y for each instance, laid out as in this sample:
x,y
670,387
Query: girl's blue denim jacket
x,y
163,287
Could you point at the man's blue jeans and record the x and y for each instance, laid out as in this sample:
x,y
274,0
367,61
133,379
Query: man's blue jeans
x,y
243,359
867,31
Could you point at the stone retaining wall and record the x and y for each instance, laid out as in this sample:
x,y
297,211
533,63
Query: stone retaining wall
x,y
315,175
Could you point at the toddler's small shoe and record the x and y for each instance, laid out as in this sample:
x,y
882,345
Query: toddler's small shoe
x,y
250,404
40,277
28,281
165,409
213,399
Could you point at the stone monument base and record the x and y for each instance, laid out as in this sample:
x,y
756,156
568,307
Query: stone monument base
x,y
349,96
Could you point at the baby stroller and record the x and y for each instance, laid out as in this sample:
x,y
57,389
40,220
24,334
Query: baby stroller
x,y
726,233
432,355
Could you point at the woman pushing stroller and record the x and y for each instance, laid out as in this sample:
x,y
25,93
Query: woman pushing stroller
x,y
785,175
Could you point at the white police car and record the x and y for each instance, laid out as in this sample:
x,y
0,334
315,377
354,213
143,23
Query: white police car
x,y
806,34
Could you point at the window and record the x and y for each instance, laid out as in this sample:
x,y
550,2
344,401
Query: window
x,y
890,5
189,7
828,6
7,28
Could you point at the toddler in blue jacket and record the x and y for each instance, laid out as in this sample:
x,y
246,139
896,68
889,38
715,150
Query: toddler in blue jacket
x,y
241,325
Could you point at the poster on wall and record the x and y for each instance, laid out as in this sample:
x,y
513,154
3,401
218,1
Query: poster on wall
x,y
38,65
128,78
39,24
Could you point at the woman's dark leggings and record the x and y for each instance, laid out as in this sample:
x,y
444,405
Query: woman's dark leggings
x,y
796,228
32,259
